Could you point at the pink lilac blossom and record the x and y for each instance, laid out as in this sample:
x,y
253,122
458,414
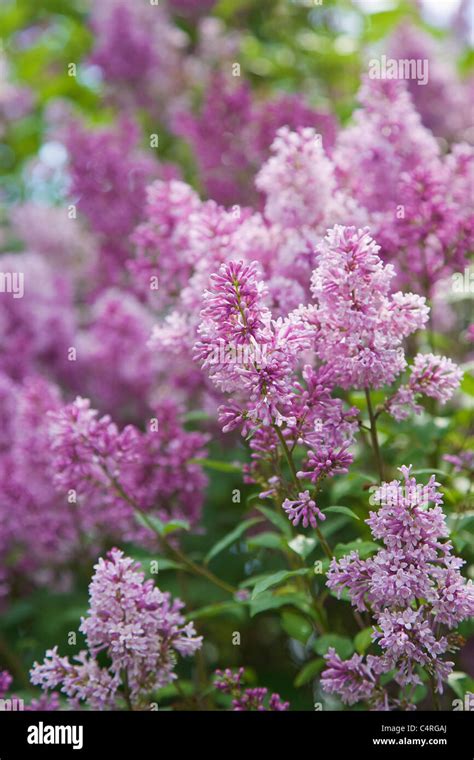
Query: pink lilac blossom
x,y
412,587
247,352
299,182
232,134
443,100
304,510
37,321
434,376
5,682
235,317
139,629
162,241
44,703
352,680
463,460
198,242
245,699
41,533
385,140
115,366
361,324
433,228
48,231
423,220
184,240
108,175
139,51
326,462
118,471
58,505
215,135
291,111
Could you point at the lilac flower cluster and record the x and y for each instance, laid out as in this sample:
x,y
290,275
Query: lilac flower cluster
x,y
442,101
117,369
232,135
361,323
72,480
304,510
414,590
264,376
354,330
299,183
40,533
139,52
138,628
423,219
463,460
246,700
434,376
108,175
37,317
5,682
127,470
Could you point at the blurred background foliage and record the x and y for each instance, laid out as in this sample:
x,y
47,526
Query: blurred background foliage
x,y
286,45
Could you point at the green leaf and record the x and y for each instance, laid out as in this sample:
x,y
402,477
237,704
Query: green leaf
x,y
174,525
220,608
167,564
342,511
252,581
230,538
308,671
268,540
467,384
271,601
363,640
196,415
302,545
16,613
151,522
217,466
364,548
460,683
341,644
278,519
274,579
296,626
161,563
429,471
172,690
419,693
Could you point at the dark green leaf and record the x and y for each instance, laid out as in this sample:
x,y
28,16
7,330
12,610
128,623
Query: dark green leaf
x,y
342,511
309,671
341,644
230,538
274,579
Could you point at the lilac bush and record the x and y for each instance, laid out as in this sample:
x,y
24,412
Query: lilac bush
x,y
236,353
